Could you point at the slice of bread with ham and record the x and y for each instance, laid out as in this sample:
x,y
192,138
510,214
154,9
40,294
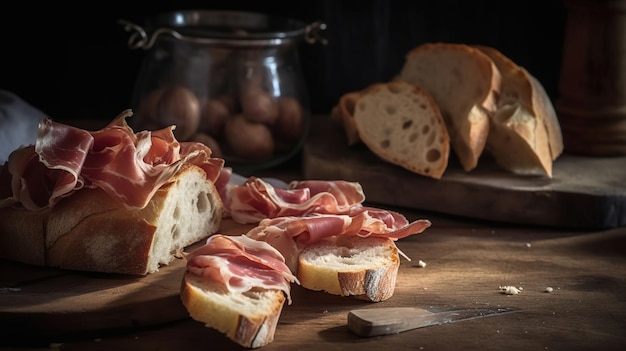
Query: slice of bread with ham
x,y
247,318
351,266
238,286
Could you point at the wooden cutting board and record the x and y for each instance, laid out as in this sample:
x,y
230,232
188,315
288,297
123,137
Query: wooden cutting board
x,y
585,192
54,303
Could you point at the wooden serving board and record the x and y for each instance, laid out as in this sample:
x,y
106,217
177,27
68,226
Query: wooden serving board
x,y
54,303
585,192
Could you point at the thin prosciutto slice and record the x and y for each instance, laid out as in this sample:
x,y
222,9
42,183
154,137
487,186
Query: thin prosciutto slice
x,y
256,199
290,235
129,166
241,263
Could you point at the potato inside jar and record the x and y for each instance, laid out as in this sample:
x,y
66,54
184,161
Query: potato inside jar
x,y
249,122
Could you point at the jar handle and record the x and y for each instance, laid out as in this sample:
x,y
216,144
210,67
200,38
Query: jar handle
x,y
139,37
312,33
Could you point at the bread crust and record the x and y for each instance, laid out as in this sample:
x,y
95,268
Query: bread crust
x,y
90,231
320,267
248,319
22,236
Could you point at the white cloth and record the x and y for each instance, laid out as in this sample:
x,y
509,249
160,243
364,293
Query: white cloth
x,y
18,123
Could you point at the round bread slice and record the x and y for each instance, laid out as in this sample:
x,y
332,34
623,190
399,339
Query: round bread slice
x,y
350,266
464,83
402,124
248,318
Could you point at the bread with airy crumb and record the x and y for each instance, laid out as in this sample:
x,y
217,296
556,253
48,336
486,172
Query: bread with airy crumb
x,y
91,231
247,318
464,83
350,266
524,136
402,124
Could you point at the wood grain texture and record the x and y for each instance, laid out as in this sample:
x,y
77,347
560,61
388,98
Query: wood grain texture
x,y
51,303
466,263
584,193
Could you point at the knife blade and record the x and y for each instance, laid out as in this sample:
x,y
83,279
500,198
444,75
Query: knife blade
x,y
393,320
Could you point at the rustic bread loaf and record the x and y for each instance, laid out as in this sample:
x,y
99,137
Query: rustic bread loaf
x,y
364,267
402,124
247,318
464,83
524,135
90,231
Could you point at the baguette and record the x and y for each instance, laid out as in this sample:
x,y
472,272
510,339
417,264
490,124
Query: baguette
x,y
524,135
247,318
402,124
364,267
90,231
464,83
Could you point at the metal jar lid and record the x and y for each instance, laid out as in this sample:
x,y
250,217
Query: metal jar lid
x,y
223,28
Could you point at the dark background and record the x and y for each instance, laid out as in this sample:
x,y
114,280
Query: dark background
x,y
73,61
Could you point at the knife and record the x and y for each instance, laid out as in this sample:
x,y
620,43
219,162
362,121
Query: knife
x,y
393,320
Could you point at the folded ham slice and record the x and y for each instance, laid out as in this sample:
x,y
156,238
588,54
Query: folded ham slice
x,y
129,166
256,199
240,263
309,211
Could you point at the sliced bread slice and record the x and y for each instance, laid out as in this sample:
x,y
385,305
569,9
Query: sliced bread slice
x,y
525,136
247,318
402,124
350,266
464,82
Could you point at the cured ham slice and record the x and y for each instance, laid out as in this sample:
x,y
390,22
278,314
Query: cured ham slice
x,y
129,166
256,199
241,263
290,235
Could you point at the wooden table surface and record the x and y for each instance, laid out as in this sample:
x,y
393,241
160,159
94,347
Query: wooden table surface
x,y
466,263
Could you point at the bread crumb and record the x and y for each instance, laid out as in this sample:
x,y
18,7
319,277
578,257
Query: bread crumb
x,y
510,290
549,289
421,264
528,245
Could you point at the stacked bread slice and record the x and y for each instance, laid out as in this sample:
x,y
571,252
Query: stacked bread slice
x,y
487,102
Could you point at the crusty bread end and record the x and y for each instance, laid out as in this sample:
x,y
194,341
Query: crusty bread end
x,y
350,266
249,318
524,135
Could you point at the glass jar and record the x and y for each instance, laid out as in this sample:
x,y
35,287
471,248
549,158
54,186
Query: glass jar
x,y
231,80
